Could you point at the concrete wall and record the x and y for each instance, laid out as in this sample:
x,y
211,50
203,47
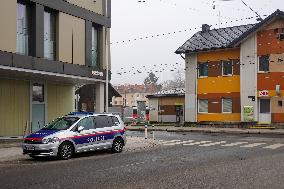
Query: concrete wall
x,y
14,107
100,96
248,74
153,113
168,118
96,6
105,47
60,100
69,28
8,21
190,87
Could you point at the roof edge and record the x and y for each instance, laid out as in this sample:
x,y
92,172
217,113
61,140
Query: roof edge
x,y
277,14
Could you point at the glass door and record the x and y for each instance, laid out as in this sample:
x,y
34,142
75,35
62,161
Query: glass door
x,y
264,111
38,106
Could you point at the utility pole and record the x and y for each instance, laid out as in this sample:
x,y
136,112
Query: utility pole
x,y
107,55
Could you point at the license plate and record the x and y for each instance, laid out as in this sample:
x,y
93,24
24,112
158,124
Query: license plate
x,y
29,147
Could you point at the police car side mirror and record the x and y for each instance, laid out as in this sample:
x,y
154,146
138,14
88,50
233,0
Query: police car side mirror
x,y
80,128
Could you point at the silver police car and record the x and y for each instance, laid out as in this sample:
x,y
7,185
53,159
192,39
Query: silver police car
x,y
77,132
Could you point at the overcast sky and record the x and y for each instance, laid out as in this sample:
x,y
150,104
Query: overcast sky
x,y
132,19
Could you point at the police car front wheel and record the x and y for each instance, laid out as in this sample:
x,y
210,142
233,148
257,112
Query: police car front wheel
x,y
117,145
65,151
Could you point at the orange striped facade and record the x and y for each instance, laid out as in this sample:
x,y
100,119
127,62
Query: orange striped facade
x,y
215,86
268,43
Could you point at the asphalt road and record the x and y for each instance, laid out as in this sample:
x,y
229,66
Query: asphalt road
x,y
182,160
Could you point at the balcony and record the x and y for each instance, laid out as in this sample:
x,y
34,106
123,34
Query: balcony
x,y
27,67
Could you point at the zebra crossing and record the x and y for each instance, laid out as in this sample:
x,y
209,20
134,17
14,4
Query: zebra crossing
x,y
207,143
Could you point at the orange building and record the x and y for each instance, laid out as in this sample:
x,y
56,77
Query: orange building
x,y
236,74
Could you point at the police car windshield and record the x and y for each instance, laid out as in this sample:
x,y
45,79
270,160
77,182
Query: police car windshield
x,y
61,123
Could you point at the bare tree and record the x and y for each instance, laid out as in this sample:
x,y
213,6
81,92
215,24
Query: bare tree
x,y
177,82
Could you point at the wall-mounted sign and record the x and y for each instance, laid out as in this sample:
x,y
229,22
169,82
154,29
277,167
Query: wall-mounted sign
x,y
252,98
263,93
248,113
97,73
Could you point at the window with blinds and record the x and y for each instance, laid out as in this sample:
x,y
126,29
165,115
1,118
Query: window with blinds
x,y
227,105
202,106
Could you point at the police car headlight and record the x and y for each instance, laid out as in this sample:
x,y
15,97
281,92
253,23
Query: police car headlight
x,y
50,140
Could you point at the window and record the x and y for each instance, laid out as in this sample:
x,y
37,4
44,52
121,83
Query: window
x,y
227,105
49,35
87,123
203,70
38,92
115,102
103,121
23,29
61,123
263,63
227,68
280,103
95,47
114,120
203,106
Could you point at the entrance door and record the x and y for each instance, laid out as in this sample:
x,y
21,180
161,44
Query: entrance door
x,y
38,116
179,114
264,111
38,106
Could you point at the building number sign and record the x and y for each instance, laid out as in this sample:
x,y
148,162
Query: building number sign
x,y
263,93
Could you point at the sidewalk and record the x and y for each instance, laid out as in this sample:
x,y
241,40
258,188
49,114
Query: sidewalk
x,y
10,149
208,130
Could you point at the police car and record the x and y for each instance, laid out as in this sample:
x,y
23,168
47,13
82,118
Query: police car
x,y
76,132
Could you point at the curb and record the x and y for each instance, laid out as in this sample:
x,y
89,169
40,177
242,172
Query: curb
x,y
211,131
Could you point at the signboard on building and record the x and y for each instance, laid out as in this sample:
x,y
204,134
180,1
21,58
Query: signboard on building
x,y
248,113
263,93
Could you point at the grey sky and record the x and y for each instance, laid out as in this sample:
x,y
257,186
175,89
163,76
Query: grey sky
x,y
131,20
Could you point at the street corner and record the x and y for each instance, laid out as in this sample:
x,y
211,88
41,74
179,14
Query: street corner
x,y
135,143
9,154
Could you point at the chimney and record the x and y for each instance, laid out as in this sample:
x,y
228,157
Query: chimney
x,y
205,28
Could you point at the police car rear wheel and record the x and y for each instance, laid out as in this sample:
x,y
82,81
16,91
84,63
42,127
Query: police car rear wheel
x,y
65,151
117,145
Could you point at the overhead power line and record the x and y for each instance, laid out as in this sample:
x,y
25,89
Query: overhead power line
x,y
176,32
252,10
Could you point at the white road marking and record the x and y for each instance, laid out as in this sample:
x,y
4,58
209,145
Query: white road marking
x,y
176,143
213,144
196,143
274,146
252,145
170,141
234,144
